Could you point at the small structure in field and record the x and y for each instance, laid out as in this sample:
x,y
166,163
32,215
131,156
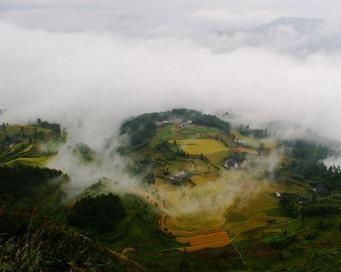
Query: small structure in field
x,y
231,163
179,177
241,143
322,189
186,124
161,123
278,194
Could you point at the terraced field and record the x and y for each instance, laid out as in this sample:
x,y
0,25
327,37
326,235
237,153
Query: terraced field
x,y
201,146
27,144
213,239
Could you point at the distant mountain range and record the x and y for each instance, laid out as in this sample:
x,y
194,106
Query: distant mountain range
x,y
296,35
302,25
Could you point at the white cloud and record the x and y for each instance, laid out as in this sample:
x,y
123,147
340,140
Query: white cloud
x,y
102,61
90,64
102,78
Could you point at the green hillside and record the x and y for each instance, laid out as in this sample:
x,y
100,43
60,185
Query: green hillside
x,y
212,196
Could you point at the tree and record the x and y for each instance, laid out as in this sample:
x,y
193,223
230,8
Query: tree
x,y
261,149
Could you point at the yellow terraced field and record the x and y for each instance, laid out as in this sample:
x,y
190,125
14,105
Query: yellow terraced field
x,y
214,239
201,146
40,162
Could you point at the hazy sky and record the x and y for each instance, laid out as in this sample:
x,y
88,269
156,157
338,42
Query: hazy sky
x,y
88,64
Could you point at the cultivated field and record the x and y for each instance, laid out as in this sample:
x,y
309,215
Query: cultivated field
x,y
201,146
213,239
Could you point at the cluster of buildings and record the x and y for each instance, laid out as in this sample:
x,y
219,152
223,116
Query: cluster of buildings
x,y
299,199
161,123
181,124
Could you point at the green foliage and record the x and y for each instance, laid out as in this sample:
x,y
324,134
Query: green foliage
x,y
140,130
52,126
30,243
170,151
306,163
308,151
20,255
85,153
30,185
320,210
282,240
139,228
98,214
288,206
257,133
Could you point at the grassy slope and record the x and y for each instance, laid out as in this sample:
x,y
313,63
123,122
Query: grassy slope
x,y
139,229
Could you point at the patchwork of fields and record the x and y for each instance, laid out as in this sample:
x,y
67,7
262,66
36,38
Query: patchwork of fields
x,y
216,204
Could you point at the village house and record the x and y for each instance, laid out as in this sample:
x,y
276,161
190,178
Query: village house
x,y
178,177
241,143
161,123
231,163
185,124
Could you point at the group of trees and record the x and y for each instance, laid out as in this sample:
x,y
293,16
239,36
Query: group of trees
x,y
22,182
55,127
85,153
306,163
289,206
257,133
282,239
308,151
140,130
98,214
211,121
170,151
